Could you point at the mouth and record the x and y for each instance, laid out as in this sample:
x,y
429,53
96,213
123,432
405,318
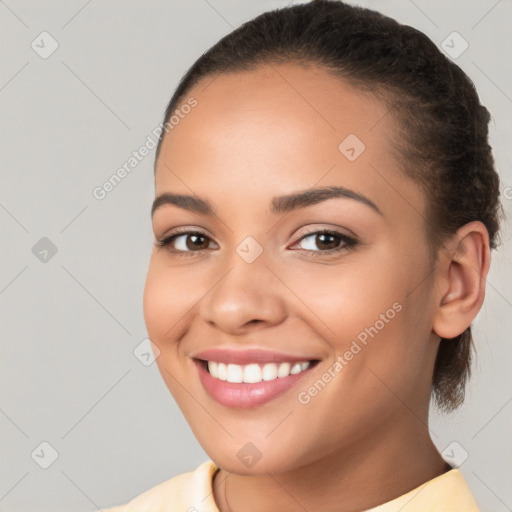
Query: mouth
x,y
253,373
252,384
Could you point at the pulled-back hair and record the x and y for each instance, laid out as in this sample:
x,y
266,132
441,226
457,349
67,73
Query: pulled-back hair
x,y
440,127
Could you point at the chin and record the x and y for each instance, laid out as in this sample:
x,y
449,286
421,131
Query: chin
x,y
248,460
260,468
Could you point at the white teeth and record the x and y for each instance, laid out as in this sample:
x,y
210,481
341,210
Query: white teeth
x,y
222,371
213,367
296,368
252,373
235,373
269,371
283,370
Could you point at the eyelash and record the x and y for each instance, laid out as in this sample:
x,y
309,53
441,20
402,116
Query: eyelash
x,y
348,242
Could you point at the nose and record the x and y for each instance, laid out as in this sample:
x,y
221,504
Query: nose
x,y
246,296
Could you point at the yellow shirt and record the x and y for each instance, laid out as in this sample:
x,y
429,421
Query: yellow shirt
x,y
192,492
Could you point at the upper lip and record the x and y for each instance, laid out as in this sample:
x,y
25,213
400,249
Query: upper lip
x,y
254,355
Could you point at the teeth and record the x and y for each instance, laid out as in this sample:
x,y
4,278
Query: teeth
x,y
235,373
296,368
283,370
222,372
252,373
269,371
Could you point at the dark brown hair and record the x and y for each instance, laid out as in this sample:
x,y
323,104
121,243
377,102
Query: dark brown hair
x,y
441,129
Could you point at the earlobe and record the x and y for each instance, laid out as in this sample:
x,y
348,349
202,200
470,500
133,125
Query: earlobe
x,y
463,267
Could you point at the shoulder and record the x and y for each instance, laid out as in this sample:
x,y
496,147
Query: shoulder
x,y
444,493
187,492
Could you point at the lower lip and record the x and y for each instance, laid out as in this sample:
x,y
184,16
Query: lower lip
x,y
244,395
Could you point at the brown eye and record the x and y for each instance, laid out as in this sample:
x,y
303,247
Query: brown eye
x,y
326,241
185,242
194,241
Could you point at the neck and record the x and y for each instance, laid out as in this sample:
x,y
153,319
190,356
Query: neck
x,y
350,480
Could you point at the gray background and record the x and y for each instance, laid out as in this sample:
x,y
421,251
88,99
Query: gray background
x,y
70,324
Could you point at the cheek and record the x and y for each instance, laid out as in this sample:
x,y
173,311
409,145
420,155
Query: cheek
x,y
384,331
168,295
345,298
156,302
370,310
164,305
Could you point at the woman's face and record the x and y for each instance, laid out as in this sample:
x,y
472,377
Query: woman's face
x,y
259,276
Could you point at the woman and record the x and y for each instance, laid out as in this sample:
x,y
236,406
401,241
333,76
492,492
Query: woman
x,y
326,203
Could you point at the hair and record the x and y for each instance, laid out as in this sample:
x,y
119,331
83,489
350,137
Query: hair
x,y
440,128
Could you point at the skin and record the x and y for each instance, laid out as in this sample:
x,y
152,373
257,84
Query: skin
x,y
363,439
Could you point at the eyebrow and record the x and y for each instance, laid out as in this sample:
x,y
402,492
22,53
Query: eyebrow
x,y
279,204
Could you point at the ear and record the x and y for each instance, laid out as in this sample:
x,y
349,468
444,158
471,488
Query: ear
x,y
463,265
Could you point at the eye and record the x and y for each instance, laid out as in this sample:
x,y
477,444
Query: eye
x,y
185,242
327,241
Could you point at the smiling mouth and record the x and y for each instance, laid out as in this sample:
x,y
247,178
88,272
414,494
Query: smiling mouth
x,y
253,373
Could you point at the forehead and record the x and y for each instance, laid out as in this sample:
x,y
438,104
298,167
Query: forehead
x,y
282,127
288,98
